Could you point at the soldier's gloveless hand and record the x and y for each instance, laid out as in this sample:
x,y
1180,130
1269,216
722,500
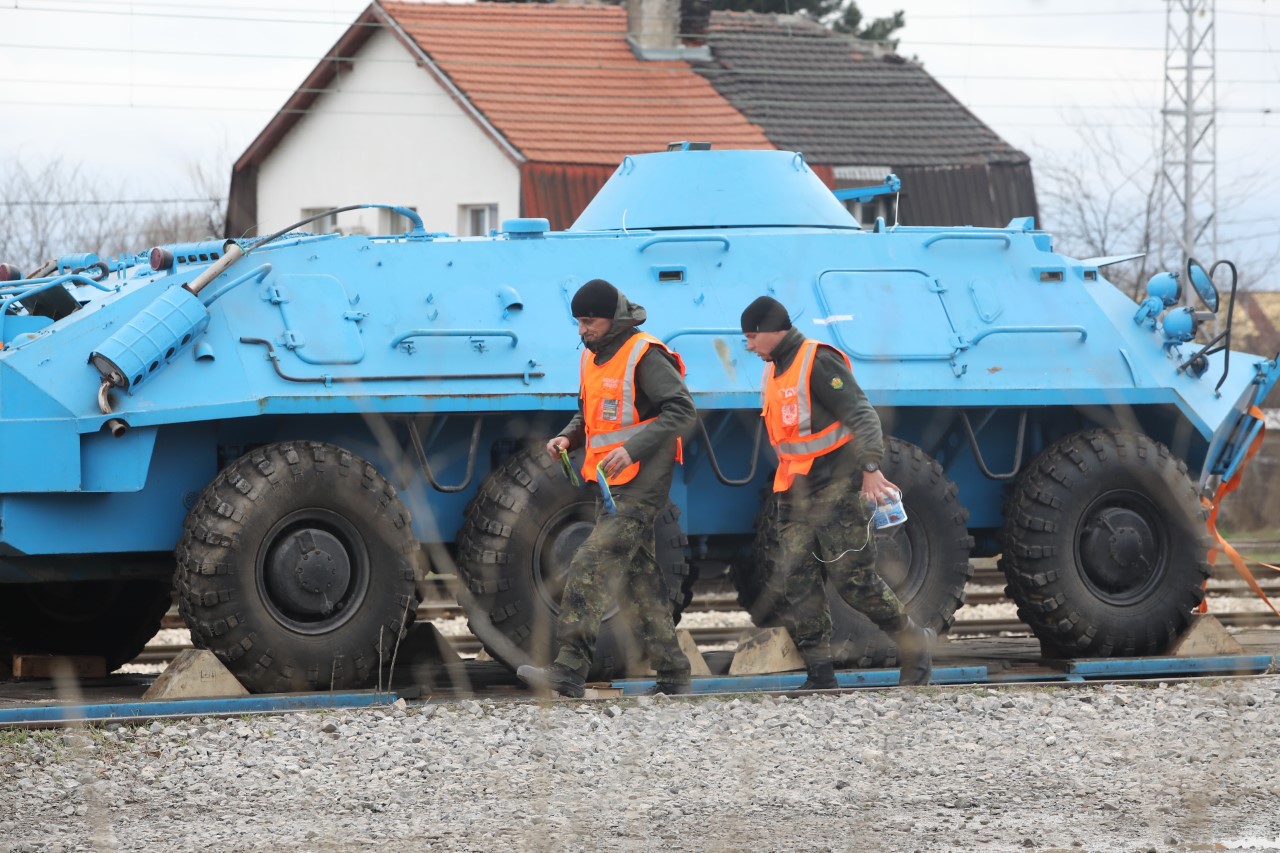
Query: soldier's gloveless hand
x,y
876,487
617,460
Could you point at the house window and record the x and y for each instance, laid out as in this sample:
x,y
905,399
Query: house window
x,y
390,222
475,220
867,211
325,224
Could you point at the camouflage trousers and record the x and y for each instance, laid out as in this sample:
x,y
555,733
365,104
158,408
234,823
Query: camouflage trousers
x,y
828,537
616,564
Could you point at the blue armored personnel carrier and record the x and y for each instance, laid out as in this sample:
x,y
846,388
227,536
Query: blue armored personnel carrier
x,y
291,432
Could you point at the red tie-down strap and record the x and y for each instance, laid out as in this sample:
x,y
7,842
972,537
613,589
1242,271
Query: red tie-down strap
x,y
1221,544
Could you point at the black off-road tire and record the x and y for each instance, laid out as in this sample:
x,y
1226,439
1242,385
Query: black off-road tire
x,y
520,532
1105,546
111,619
925,560
296,568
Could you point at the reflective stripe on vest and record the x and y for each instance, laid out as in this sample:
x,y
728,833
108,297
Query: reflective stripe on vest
x,y
791,432
610,418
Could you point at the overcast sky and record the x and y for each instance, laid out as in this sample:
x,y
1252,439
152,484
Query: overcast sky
x,y
137,92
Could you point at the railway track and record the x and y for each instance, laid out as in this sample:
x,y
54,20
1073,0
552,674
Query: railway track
x,y
727,602
717,595
468,645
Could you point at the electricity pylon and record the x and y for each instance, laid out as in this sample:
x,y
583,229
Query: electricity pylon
x,y
1189,148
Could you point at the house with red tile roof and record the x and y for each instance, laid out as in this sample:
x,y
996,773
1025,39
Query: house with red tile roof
x,y
472,113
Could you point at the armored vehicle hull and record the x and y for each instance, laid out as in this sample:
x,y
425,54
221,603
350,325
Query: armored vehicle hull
x,y
313,422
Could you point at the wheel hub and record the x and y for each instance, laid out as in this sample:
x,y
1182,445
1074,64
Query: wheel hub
x,y
1119,550
893,556
1126,547
556,553
308,572
902,559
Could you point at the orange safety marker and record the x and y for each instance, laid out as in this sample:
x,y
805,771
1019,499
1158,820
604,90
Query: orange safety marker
x,y
1221,544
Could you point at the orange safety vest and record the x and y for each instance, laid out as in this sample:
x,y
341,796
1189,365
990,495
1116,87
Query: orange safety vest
x,y
609,404
787,413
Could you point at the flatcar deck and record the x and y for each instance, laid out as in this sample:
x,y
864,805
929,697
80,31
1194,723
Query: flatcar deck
x,y
985,661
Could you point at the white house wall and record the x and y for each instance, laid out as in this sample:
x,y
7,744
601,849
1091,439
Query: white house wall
x,y
389,134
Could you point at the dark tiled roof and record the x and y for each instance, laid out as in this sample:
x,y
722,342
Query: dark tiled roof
x,y
831,97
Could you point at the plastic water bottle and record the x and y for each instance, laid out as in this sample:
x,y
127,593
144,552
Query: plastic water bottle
x,y
890,513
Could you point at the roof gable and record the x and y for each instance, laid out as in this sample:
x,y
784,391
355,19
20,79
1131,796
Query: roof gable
x,y
560,83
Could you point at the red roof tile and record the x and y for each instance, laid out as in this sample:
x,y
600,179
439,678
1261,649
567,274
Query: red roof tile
x,y
562,85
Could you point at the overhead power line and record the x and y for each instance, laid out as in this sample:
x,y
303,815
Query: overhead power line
x,y
541,96
104,202
238,18
95,5
204,108
985,14
523,30
133,9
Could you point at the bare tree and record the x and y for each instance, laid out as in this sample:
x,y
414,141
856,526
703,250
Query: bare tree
x,y
204,219
1102,200
1099,201
55,209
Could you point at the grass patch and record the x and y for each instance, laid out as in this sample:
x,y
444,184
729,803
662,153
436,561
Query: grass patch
x,y
22,737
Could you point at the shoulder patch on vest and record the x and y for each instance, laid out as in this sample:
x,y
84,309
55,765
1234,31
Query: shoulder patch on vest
x,y
837,383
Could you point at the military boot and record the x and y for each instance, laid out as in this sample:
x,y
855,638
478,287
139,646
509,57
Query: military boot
x,y
822,676
915,651
557,677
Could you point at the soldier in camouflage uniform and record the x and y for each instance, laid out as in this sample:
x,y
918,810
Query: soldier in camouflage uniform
x,y
633,408
828,438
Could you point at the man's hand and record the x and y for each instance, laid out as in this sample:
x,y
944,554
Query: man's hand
x,y
878,489
616,461
555,445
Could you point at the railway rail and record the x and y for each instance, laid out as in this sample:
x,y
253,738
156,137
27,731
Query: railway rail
x,y
1009,663
467,645
716,595
991,652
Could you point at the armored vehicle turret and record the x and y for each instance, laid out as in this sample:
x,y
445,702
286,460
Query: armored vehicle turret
x,y
291,432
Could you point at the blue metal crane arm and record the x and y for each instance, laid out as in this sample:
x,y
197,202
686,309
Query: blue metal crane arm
x,y
892,184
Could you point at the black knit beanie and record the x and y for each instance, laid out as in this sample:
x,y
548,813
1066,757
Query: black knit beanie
x,y
766,314
596,298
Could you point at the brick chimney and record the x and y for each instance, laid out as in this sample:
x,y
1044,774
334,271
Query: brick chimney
x,y
668,29
695,17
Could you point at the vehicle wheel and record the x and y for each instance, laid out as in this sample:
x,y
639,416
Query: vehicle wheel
x,y
925,560
296,568
111,619
1104,546
520,533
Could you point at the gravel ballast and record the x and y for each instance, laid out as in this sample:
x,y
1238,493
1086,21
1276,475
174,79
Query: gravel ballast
x,y
1104,767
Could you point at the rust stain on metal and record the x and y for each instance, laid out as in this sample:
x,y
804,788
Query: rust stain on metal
x,y
726,357
995,369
